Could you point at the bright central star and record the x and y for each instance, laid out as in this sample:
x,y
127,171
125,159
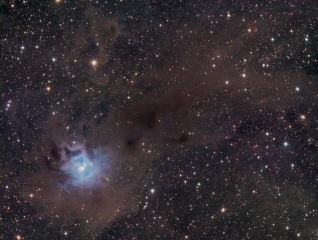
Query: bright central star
x,y
93,63
81,169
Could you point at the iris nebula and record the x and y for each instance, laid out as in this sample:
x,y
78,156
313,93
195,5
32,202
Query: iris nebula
x,y
83,169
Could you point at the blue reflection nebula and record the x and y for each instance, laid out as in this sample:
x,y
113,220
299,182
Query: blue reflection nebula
x,y
81,170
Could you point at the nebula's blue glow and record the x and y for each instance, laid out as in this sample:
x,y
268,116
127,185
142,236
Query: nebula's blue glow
x,y
83,170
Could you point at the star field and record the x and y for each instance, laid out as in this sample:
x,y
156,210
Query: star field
x,y
159,120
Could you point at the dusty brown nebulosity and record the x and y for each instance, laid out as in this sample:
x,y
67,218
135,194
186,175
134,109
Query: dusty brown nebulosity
x,y
189,107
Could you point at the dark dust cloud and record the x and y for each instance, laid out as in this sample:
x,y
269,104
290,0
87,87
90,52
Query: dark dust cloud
x,y
159,120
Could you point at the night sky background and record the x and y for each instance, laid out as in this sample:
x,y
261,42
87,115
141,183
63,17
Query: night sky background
x,y
159,120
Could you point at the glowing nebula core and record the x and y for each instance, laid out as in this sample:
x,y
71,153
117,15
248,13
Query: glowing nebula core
x,y
83,170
